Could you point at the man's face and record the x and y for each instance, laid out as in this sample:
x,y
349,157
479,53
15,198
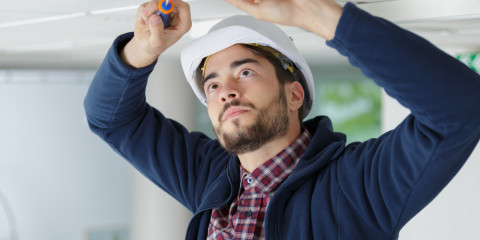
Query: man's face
x,y
246,104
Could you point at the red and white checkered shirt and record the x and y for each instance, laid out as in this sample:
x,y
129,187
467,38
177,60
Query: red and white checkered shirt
x,y
243,219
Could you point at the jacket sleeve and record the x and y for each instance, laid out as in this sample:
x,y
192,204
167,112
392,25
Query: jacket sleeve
x,y
390,179
161,149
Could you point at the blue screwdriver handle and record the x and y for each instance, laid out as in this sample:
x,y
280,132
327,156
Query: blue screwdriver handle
x,y
164,9
165,18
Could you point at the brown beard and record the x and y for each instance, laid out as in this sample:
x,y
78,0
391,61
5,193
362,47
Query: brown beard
x,y
271,121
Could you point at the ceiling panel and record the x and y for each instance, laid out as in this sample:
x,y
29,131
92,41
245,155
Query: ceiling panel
x,y
82,41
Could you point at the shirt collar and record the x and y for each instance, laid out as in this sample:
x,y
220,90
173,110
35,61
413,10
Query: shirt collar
x,y
274,171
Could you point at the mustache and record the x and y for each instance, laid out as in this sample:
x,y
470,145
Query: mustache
x,y
233,103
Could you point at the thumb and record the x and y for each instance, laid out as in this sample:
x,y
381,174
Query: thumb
x,y
155,25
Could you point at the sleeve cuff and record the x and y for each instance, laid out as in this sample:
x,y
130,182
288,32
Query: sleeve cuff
x,y
115,59
350,12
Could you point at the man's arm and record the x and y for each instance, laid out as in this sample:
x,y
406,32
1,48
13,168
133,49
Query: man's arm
x,y
163,150
389,179
388,62
399,173
318,16
132,56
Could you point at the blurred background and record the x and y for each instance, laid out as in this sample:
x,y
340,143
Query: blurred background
x,y
58,181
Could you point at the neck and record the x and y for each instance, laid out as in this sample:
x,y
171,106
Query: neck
x,y
252,160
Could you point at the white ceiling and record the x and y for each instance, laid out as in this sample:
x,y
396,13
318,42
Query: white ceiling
x,y
77,34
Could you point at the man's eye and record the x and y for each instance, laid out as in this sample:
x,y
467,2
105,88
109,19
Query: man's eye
x,y
246,73
212,87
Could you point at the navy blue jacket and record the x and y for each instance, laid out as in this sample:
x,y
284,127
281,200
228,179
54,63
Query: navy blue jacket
x,y
363,190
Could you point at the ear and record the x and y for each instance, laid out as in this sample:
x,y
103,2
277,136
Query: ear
x,y
295,95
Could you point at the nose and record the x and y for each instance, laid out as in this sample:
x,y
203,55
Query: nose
x,y
229,92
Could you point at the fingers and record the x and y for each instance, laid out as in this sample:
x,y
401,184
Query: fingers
x,y
181,20
156,29
275,11
139,17
260,9
180,17
145,10
151,36
150,8
247,6
148,24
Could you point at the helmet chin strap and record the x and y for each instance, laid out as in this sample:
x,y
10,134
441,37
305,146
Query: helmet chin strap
x,y
203,67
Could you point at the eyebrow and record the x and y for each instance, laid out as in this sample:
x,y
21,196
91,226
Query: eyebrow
x,y
232,66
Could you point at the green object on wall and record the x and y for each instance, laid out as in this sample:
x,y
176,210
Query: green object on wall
x,y
353,105
471,59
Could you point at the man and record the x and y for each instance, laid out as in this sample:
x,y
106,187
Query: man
x,y
270,174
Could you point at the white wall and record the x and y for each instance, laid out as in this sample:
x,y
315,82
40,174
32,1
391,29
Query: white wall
x,y
455,213
59,179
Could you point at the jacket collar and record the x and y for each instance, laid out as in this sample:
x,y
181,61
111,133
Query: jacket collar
x,y
324,146
323,136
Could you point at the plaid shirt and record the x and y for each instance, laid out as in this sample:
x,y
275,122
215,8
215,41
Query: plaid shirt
x,y
243,219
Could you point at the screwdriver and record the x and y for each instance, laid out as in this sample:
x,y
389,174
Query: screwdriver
x,y
165,7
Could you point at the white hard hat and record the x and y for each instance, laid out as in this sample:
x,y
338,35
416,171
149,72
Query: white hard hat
x,y
244,30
